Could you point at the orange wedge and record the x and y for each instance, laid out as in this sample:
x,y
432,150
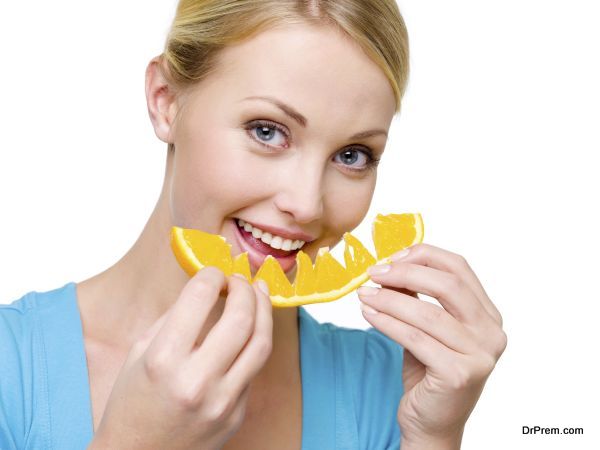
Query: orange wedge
x,y
324,281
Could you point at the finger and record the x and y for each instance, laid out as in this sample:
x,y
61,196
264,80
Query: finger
x,y
426,349
189,312
438,258
258,349
432,319
228,336
446,287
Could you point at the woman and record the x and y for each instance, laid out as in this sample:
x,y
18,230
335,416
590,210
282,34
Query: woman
x,y
275,113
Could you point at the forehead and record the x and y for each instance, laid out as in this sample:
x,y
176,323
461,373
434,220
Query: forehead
x,y
310,67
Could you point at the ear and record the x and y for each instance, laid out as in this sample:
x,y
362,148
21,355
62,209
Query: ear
x,y
161,100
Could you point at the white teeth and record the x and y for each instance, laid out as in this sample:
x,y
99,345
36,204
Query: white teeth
x,y
287,245
267,238
276,242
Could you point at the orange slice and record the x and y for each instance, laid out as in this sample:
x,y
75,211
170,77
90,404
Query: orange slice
x,y
325,281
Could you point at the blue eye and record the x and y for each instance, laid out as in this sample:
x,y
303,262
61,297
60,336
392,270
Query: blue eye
x,y
264,132
348,156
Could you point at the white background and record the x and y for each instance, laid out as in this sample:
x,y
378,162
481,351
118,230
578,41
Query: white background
x,y
496,147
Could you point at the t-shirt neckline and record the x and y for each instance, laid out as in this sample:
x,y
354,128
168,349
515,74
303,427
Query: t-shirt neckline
x,y
316,369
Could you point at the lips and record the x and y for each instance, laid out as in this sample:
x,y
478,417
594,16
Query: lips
x,y
258,250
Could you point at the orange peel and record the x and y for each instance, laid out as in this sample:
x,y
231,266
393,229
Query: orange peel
x,y
324,281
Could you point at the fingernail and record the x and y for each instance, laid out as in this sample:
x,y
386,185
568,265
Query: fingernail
x,y
401,254
239,275
367,309
262,285
379,269
367,290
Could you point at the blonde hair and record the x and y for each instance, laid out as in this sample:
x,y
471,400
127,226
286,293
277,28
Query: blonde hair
x,y
202,27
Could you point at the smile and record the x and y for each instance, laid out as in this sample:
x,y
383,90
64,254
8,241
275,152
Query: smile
x,y
276,242
260,244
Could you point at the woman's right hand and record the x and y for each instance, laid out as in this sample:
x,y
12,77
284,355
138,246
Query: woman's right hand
x,y
177,391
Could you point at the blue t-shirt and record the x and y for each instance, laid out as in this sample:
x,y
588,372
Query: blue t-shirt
x,y
351,380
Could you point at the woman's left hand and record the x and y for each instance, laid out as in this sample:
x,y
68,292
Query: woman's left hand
x,y
449,351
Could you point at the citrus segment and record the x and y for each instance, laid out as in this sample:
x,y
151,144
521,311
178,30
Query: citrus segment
x,y
242,265
394,232
325,281
331,275
195,249
306,277
272,273
356,257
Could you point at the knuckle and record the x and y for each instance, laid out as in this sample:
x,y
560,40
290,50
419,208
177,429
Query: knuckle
x,y
243,323
264,346
220,410
482,370
461,261
501,343
156,364
500,320
431,313
188,396
488,363
461,377
415,336
453,284
467,375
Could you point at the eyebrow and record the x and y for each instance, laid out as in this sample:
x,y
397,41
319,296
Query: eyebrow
x,y
291,112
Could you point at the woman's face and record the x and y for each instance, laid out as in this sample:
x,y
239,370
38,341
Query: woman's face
x,y
270,139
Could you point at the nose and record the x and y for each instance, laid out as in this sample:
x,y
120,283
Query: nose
x,y
300,193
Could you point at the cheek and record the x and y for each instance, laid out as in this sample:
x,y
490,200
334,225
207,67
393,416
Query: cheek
x,y
213,176
346,208
350,202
